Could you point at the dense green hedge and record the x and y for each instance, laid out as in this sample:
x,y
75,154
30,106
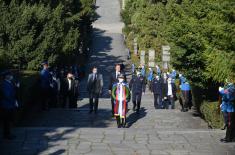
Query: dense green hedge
x,y
211,114
33,31
28,93
200,33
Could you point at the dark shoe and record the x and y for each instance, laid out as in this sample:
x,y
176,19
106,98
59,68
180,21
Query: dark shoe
x,y
134,108
225,126
95,111
90,111
137,111
184,110
224,140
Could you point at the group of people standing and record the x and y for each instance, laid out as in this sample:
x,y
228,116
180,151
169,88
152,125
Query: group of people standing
x,y
164,88
162,85
59,87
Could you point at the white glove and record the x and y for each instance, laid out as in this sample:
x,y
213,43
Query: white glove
x,y
18,85
16,104
51,85
221,89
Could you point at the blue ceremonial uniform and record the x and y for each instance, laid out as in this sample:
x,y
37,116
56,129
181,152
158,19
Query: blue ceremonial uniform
x,y
185,86
186,96
159,72
46,89
8,104
150,79
8,95
173,75
143,72
46,78
228,96
150,76
228,109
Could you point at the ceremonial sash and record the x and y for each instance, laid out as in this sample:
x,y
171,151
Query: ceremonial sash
x,y
120,98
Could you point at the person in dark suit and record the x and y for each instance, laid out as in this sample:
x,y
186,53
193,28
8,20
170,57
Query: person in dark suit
x,y
113,80
137,86
157,91
8,103
94,87
68,91
165,102
171,92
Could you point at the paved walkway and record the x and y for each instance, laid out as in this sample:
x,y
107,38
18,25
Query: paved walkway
x,y
152,132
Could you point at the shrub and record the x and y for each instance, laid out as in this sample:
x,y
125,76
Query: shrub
x,y
211,114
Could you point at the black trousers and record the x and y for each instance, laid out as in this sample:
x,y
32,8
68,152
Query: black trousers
x,y
225,116
7,119
136,99
157,101
121,122
71,98
171,101
93,105
186,99
112,105
46,97
230,132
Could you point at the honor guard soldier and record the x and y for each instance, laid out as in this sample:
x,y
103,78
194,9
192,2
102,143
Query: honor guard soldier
x,y
227,106
137,86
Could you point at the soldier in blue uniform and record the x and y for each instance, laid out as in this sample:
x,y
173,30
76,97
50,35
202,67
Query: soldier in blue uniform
x,y
173,75
143,70
158,70
150,78
137,86
186,96
227,106
8,103
46,85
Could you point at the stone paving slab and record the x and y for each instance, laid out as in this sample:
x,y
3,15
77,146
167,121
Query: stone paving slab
x,y
75,132
117,141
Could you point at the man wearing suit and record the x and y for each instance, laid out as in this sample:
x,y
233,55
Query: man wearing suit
x,y
113,80
68,91
171,92
137,86
157,91
94,87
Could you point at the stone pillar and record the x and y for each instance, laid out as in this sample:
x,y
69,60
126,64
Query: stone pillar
x,y
166,56
123,4
135,46
142,58
151,58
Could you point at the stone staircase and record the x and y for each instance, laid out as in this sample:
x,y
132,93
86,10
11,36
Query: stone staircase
x,y
75,132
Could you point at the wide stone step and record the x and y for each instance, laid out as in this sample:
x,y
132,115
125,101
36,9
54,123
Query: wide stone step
x,y
113,141
147,119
